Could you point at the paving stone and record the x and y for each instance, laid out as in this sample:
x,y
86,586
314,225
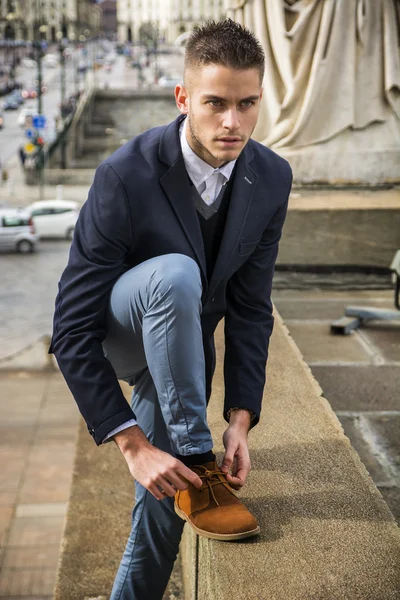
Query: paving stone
x,y
32,531
7,498
295,308
360,388
6,513
34,557
59,433
11,474
54,509
16,436
317,344
388,431
392,499
386,336
352,430
349,296
28,597
46,484
24,582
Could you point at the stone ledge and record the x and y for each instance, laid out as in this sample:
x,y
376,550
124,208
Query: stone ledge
x,y
326,531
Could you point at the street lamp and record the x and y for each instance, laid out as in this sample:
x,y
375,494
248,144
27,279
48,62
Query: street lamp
x,y
42,33
10,37
61,48
72,38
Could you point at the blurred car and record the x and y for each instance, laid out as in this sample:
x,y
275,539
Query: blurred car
x,y
82,66
169,82
1,120
10,103
17,231
25,112
16,94
29,93
51,61
28,62
54,218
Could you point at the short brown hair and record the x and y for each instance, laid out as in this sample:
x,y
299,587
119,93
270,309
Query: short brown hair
x,y
224,43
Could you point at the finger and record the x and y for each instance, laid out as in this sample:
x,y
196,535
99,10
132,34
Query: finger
x,y
165,486
158,495
227,460
234,482
190,475
177,481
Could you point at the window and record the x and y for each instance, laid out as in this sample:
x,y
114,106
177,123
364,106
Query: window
x,y
14,222
58,211
42,211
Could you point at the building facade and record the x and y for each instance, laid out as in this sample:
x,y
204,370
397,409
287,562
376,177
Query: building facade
x,y
109,18
169,18
48,20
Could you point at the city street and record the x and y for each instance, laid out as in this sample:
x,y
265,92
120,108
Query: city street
x,y
12,135
27,293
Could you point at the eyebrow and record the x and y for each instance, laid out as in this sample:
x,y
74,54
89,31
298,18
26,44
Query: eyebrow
x,y
211,97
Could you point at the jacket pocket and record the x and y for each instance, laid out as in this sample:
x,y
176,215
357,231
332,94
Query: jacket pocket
x,y
246,248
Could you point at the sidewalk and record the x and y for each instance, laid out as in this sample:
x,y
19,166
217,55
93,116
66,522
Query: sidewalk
x,y
38,433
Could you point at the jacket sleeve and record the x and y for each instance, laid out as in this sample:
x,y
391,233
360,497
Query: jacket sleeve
x,y
102,238
249,321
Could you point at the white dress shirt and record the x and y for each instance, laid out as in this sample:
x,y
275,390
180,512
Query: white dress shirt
x,y
208,182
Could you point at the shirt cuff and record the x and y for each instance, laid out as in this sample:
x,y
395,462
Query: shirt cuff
x,y
125,425
231,410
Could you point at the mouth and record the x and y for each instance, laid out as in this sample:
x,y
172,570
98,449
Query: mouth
x,y
229,141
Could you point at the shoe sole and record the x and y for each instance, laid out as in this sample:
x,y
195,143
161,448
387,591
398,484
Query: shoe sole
x,y
225,537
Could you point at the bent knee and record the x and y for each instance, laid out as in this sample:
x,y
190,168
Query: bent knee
x,y
178,275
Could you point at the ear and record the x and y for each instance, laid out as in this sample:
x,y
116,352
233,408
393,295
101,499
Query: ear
x,y
182,98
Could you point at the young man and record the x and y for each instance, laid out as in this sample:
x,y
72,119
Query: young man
x,y
180,229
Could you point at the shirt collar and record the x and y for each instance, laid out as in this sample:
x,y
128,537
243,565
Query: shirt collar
x,y
198,170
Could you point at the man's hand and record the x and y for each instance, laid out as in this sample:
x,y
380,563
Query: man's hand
x,y
236,458
154,469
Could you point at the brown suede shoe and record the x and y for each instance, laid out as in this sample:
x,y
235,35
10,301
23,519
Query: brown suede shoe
x,y
214,511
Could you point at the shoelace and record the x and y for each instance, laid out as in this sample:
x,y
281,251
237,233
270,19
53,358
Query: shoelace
x,y
213,478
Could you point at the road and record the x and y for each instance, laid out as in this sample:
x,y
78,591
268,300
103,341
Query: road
x,y
27,292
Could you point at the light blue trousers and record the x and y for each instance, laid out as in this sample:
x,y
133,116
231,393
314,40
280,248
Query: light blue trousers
x,y
154,340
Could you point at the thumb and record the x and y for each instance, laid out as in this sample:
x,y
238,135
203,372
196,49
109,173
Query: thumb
x,y
227,461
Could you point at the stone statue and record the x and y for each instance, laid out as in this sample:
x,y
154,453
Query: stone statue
x,y
331,87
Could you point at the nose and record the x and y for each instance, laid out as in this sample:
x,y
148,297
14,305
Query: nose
x,y
231,120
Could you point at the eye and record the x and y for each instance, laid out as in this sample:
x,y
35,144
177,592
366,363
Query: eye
x,y
247,103
216,103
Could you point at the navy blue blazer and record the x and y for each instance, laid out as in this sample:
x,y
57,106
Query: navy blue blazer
x,y
139,207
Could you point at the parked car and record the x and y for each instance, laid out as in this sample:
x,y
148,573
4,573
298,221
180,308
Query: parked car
x,y
50,60
17,231
29,93
54,218
17,95
25,112
10,103
29,62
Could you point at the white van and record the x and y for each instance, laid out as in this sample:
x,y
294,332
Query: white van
x,y
17,231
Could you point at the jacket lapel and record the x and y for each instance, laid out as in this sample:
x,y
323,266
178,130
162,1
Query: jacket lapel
x,y
242,193
176,185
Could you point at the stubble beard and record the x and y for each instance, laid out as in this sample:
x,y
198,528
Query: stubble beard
x,y
201,150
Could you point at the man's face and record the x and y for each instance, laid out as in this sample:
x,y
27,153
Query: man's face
x,y
222,105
